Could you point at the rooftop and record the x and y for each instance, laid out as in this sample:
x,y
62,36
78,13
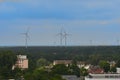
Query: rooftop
x,y
103,76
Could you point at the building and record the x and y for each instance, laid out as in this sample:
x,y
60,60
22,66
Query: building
x,y
67,62
95,70
118,70
103,77
112,63
22,62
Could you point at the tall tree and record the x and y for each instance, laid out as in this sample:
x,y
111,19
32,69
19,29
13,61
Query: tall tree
x,y
83,71
105,65
7,60
60,69
42,62
118,63
113,69
75,70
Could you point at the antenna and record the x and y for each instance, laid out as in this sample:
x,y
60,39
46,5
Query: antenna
x,y
26,34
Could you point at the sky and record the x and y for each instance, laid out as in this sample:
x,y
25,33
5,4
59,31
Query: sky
x,y
85,20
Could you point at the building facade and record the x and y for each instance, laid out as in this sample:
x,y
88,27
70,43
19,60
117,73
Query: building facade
x,y
22,62
69,62
118,70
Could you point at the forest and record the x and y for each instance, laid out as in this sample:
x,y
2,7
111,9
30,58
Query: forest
x,y
45,55
81,53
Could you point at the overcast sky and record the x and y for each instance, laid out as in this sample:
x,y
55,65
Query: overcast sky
x,y
85,20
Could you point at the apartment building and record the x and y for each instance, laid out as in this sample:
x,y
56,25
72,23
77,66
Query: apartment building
x,y
22,62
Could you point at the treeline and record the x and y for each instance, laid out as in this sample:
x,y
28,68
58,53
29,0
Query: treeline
x,y
91,54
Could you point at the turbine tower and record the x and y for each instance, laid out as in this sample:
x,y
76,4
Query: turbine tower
x,y
65,36
61,36
118,42
26,34
91,42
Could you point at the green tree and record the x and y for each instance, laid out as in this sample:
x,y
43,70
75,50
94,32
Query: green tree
x,y
113,69
104,65
60,69
75,70
42,62
74,61
83,71
17,73
29,76
42,75
94,59
7,60
118,63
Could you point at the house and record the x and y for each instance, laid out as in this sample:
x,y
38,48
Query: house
x,y
66,62
22,62
69,62
95,70
112,63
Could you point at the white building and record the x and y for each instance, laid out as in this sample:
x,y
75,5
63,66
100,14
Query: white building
x,y
118,70
69,62
103,77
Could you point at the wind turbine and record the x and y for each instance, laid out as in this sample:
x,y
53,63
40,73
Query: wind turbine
x,y
65,36
26,34
61,36
118,42
91,42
